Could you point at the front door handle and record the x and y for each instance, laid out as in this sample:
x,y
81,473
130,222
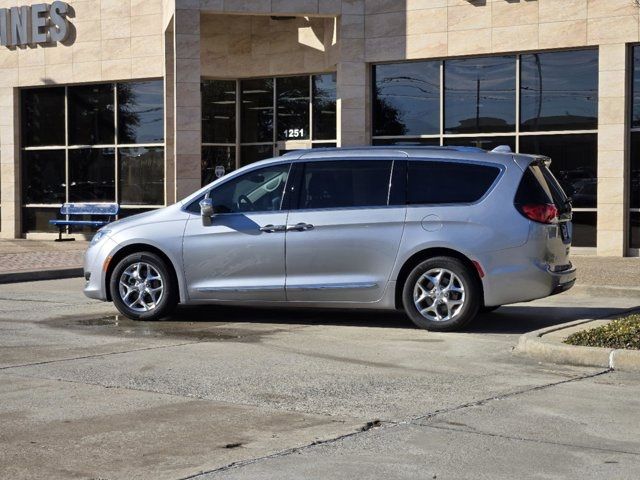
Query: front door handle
x,y
299,227
273,228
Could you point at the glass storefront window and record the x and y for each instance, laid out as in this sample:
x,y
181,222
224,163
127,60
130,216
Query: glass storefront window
x,y
43,176
92,175
217,162
486,143
635,94
480,94
292,107
430,142
324,106
584,229
37,219
634,230
559,91
140,112
219,111
406,98
91,115
141,175
254,153
42,117
257,110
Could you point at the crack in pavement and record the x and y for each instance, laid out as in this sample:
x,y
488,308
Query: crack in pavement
x,y
377,424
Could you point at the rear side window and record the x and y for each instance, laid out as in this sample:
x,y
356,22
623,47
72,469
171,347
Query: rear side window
x,y
343,184
448,182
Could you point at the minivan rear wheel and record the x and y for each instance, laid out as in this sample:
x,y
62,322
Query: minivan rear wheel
x,y
142,288
441,294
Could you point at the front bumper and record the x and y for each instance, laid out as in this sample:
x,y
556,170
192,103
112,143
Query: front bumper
x,y
94,273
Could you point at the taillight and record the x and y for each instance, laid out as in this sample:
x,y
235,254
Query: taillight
x,y
543,213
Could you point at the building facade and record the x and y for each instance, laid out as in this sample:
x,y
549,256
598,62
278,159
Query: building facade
x,y
143,101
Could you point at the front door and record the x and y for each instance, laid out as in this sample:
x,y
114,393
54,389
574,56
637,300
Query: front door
x,y
238,254
342,235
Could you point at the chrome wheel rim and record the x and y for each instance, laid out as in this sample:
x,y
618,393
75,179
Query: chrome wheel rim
x,y
439,295
141,287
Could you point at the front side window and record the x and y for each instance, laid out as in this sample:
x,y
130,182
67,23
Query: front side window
x,y
344,184
442,182
260,190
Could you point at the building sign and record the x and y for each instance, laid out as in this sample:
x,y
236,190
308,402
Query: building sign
x,y
34,24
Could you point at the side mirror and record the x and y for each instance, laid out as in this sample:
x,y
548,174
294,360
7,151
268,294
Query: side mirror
x,y
206,208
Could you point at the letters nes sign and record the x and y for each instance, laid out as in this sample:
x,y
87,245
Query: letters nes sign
x,y
34,24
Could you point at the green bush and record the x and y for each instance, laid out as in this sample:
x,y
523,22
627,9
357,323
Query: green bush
x,y
621,333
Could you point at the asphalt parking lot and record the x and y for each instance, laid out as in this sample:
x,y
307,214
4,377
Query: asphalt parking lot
x,y
281,394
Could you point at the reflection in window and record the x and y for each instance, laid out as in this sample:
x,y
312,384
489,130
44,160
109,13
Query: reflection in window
x,y
429,142
217,162
141,176
219,111
36,219
42,117
486,143
253,153
634,230
43,176
324,106
345,184
634,170
584,229
573,162
292,101
406,99
257,110
559,90
479,94
635,118
140,112
91,115
92,175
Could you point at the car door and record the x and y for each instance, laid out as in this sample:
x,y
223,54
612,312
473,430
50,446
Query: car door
x,y
238,253
343,234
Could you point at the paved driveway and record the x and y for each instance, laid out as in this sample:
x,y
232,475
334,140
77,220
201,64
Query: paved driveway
x,y
242,393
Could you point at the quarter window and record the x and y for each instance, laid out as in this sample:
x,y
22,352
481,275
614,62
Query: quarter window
x,y
345,184
448,182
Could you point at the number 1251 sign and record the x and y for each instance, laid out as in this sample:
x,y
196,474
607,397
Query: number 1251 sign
x,y
294,133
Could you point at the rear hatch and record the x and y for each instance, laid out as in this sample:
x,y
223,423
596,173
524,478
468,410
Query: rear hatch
x,y
540,198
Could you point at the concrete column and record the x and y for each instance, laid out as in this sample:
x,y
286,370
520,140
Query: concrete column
x,y
613,148
187,102
352,77
10,181
169,108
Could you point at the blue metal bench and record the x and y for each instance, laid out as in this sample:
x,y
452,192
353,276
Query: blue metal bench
x,y
108,210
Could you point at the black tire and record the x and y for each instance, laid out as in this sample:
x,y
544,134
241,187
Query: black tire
x,y
489,309
462,315
165,303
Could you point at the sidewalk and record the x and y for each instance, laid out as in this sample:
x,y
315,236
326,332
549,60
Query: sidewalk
x,y
27,260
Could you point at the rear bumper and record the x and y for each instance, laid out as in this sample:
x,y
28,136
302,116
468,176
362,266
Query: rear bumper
x,y
563,281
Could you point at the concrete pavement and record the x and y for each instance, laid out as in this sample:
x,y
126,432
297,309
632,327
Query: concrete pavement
x,y
241,393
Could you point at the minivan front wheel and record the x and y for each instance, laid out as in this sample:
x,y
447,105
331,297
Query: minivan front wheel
x,y
142,287
441,294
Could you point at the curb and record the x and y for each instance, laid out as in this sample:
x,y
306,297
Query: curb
x,y
36,275
552,349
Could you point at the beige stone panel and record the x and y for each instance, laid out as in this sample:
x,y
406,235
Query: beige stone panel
x,y
294,6
151,45
118,28
507,14
188,46
612,30
427,45
332,7
611,137
148,7
31,76
562,10
87,71
210,5
508,39
116,69
8,58
352,73
610,163
187,70
468,42
384,49
188,142
612,57
353,7
612,189
116,49
352,26
190,118
146,67
430,20
422,4
30,57
6,100
189,95
143,25
6,136
60,73
385,25
86,52
353,50
247,6
610,242
58,54
611,83
311,36
223,24
241,45
186,186
86,10
611,8
285,65
468,17
216,44
6,117
188,21
373,7
563,34
114,9
87,31
611,110
260,45
352,97
613,219
313,62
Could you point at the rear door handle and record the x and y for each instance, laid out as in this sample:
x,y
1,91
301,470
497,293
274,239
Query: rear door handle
x,y
299,227
273,228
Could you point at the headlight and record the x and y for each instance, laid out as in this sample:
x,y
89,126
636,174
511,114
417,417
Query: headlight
x,y
100,234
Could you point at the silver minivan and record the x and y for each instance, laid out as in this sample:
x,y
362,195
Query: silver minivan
x,y
440,232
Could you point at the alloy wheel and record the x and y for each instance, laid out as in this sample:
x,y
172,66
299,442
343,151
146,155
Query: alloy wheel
x,y
439,295
141,287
